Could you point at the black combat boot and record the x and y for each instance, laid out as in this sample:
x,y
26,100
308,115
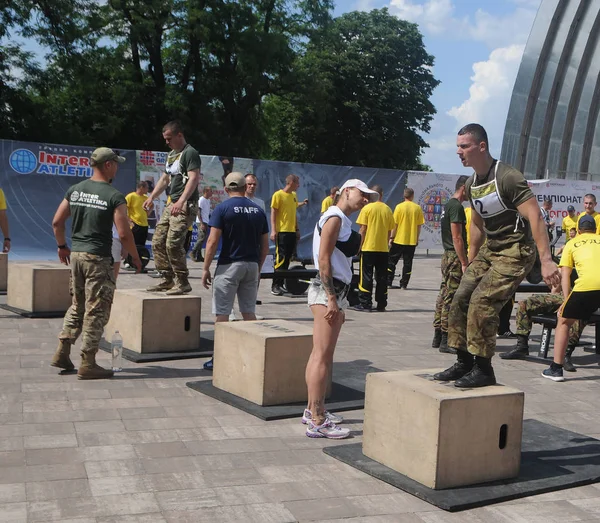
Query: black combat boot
x,y
482,375
463,365
520,350
444,344
437,339
568,365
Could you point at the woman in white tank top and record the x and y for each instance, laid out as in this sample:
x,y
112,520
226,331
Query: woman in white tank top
x,y
334,245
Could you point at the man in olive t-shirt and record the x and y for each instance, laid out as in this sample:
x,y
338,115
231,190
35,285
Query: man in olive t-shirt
x,y
93,205
505,211
454,262
168,241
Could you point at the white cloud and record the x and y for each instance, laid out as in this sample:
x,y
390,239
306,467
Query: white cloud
x,y
490,92
438,18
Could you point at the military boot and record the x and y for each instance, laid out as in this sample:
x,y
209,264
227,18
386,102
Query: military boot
x,y
90,370
182,286
463,365
520,350
481,375
61,356
164,285
568,364
444,345
437,339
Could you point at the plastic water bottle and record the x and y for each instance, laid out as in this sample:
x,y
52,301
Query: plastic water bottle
x,y
116,345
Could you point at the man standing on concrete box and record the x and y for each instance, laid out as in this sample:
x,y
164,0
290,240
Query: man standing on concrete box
x,y
94,206
506,212
168,241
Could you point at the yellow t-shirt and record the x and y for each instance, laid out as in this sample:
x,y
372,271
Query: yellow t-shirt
x,y
468,224
583,253
408,216
568,223
379,220
136,212
326,203
2,201
286,205
596,217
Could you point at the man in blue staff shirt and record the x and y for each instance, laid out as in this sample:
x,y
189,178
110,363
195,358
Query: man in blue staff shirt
x,y
243,227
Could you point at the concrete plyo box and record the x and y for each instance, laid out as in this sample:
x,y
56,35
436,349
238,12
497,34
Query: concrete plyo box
x,y
262,361
38,287
439,435
3,270
154,322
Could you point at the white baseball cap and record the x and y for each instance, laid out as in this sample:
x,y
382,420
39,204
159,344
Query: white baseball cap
x,y
361,186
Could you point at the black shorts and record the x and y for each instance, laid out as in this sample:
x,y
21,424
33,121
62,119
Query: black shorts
x,y
581,305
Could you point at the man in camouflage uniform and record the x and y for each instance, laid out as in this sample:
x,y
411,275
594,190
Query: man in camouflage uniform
x,y
541,304
94,206
168,241
454,262
505,211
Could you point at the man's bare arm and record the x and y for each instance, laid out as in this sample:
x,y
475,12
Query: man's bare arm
x,y
477,235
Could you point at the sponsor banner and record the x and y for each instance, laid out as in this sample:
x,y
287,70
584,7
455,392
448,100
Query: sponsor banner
x,y
433,190
315,183
35,178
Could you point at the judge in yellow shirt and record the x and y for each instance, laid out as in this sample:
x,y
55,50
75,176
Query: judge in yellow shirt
x,y
408,217
4,223
570,221
582,254
589,204
376,223
468,224
284,227
328,200
138,216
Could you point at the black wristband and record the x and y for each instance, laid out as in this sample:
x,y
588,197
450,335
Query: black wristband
x,y
6,239
64,246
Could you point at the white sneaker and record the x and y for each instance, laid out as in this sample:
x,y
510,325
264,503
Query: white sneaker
x,y
326,430
232,317
334,418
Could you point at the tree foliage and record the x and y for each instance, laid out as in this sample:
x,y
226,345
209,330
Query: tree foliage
x,y
259,78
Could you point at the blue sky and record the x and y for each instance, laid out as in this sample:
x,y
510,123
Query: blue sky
x,y
477,47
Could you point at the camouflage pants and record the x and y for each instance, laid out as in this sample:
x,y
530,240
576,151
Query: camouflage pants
x,y
487,284
544,304
168,242
451,275
92,286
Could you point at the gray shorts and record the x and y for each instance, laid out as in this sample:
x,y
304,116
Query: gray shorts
x,y
239,278
318,296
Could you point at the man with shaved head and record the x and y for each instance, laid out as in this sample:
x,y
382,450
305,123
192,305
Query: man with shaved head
x,y
284,227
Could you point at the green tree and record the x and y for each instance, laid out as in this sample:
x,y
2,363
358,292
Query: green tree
x,y
363,98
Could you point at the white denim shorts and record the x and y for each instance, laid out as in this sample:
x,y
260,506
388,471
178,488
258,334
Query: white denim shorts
x,y
116,250
318,296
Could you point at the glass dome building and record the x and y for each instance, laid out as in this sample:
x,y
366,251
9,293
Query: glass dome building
x,y
553,126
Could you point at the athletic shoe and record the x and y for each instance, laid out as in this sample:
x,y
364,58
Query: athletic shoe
x,y
326,430
208,365
329,416
553,374
508,335
380,308
361,308
276,291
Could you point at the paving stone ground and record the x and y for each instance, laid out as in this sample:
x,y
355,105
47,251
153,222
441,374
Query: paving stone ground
x,y
143,447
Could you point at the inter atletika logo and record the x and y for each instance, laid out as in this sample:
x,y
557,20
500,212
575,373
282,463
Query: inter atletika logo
x,y
23,161
74,196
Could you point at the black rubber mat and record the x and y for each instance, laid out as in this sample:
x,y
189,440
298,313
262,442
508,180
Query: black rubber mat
x,y
206,352
551,459
342,398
